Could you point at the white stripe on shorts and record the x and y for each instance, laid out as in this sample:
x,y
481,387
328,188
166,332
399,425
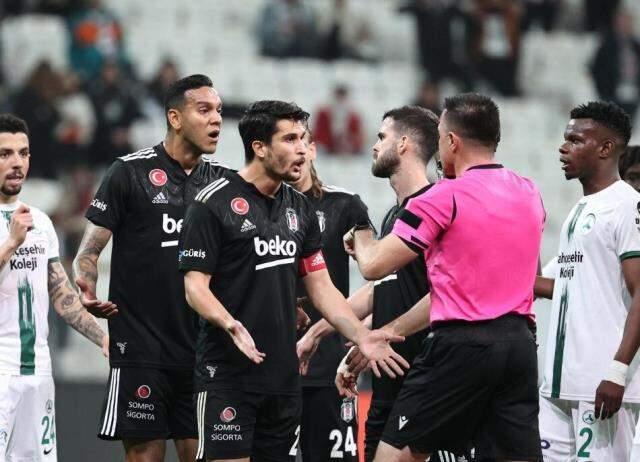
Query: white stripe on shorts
x,y
202,401
110,400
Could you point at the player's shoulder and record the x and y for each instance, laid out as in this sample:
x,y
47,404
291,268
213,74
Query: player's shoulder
x,y
214,190
214,165
624,196
337,190
141,156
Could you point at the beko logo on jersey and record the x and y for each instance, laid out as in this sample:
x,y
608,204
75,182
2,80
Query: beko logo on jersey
x,y
170,225
97,203
274,247
193,253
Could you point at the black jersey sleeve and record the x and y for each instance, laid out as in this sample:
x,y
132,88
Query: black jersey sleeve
x,y
200,242
109,205
358,214
313,237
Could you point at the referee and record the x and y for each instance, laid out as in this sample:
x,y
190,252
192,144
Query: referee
x,y
480,237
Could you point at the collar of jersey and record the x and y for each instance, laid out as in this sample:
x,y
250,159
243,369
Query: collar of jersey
x,y
415,194
250,187
10,207
174,165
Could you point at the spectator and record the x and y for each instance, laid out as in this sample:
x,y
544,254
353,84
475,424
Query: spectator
x,y
36,104
347,33
116,109
77,123
543,12
165,76
616,65
287,29
443,31
429,97
95,36
338,128
497,43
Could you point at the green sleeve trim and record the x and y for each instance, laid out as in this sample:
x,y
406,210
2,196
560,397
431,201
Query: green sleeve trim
x,y
632,254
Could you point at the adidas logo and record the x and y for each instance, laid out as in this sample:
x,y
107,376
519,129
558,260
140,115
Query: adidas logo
x,y
247,226
402,421
318,260
160,199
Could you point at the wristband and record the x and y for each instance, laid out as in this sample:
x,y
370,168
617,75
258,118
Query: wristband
x,y
617,373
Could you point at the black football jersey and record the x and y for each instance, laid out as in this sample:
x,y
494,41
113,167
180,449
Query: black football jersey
x,y
142,200
251,245
338,211
392,297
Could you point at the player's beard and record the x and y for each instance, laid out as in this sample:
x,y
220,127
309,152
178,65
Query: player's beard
x,y
10,191
386,164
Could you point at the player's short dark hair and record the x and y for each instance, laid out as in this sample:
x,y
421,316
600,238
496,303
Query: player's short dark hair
x,y
474,116
258,123
608,115
418,123
174,97
630,158
13,124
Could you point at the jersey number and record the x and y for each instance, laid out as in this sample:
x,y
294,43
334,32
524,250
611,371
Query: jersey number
x,y
583,449
49,433
349,443
294,449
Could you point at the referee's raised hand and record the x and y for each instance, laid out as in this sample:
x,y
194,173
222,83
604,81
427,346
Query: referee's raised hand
x,y
243,340
374,345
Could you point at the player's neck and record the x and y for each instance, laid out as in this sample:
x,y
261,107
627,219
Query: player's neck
x,y
8,200
473,158
407,180
266,184
303,185
182,152
597,183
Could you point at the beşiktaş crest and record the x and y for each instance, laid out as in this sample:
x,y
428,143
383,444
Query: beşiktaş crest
x,y
292,219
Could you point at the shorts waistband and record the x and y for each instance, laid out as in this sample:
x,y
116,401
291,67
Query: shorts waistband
x,y
505,327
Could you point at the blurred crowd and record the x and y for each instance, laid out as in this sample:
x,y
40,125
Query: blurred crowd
x,y
82,117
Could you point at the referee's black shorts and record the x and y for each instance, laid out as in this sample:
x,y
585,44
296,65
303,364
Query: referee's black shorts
x,y
474,384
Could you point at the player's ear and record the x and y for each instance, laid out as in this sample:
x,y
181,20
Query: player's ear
x,y
175,119
403,143
607,149
453,141
259,149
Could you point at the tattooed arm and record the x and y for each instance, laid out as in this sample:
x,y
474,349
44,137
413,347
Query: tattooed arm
x,y
85,270
67,304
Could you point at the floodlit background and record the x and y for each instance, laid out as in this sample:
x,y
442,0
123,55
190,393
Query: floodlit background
x,y
88,76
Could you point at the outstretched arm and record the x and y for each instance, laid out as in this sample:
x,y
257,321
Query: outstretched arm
x,y
85,270
207,305
333,307
67,304
377,258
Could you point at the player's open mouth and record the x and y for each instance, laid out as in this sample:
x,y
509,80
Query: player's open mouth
x,y
214,135
16,177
